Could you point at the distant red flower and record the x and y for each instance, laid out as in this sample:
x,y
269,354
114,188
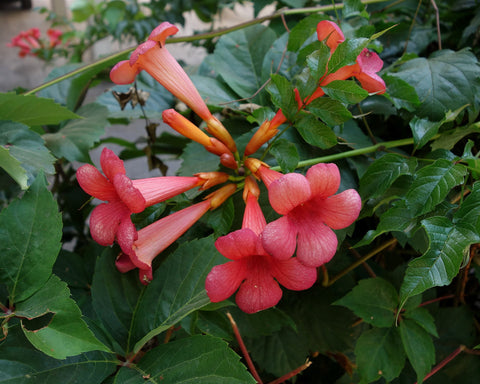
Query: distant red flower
x,y
253,272
54,36
111,221
153,57
310,211
28,41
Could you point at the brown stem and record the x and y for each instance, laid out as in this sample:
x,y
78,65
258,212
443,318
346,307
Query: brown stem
x,y
168,334
437,299
244,350
365,265
464,277
291,374
361,261
444,362
437,17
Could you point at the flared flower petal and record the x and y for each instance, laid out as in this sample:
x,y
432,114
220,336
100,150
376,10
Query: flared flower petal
x,y
339,211
294,275
111,164
223,280
316,244
105,219
126,234
259,291
123,73
130,195
331,33
289,191
279,238
95,184
238,244
324,179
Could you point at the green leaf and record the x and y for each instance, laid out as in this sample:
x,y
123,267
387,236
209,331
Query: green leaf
x,y
278,353
30,233
442,261
396,219
423,130
423,318
418,346
447,140
317,61
379,353
469,210
314,132
115,297
432,185
13,167
332,112
177,289
383,172
374,300
190,164
446,80
66,334
76,138
238,58
214,91
197,359
32,110
221,219
303,30
402,94
21,363
346,53
286,154
283,95
25,149
346,91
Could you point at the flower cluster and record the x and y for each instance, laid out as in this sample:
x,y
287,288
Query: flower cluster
x,y
263,256
31,43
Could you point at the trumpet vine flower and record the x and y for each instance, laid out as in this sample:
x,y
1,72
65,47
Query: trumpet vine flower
x,y
111,221
153,57
310,210
156,237
252,271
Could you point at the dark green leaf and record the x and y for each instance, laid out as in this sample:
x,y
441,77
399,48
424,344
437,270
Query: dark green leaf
x,y
423,318
332,112
66,334
76,138
221,219
280,352
23,364
383,172
238,58
303,30
442,261
396,219
177,289
402,94
13,167
197,359
447,140
446,80
283,95
380,353
423,130
346,53
432,185
32,110
469,210
286,154
214,91
115,297
374,300
315,133
25,148
317,62
30,233
346,91
418,346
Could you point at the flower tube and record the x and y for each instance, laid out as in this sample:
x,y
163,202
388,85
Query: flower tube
x,y
153,57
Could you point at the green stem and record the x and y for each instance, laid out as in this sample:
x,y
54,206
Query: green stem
x,y
200,36
353,152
